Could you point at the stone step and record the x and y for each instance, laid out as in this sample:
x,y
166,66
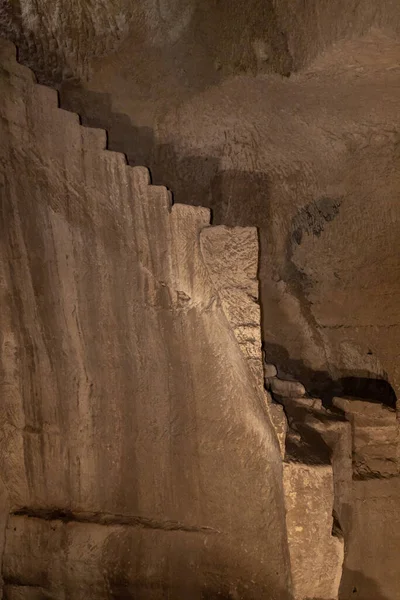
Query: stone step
x,y
285,388
93,138
141,176
46,95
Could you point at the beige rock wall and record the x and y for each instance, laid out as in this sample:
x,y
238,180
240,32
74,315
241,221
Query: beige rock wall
x,y
135,445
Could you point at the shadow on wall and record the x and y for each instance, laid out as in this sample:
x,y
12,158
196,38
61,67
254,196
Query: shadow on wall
x,y
356,586
95,110
236,197
188,177
358,384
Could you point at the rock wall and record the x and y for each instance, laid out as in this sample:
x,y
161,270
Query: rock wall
x,y
373,529
302,160
198,41
136,448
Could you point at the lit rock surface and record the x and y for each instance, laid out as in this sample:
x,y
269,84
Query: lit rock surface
x,y
231,255
135,446
309,494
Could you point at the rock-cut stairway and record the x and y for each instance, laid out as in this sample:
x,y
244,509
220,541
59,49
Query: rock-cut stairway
x,y
133,406
137,448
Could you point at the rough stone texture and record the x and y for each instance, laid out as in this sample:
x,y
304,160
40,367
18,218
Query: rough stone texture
x,y
361,443
231,256
372,571
309,504
203,37
318,483
373,519
329,438
133,437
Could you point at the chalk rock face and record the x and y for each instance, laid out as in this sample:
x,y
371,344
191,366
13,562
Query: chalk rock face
x,y
136,450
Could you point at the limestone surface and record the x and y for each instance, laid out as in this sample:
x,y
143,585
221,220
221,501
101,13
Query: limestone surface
x,y
136,450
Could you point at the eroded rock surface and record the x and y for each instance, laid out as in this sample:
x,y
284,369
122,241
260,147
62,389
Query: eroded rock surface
x,y
135,446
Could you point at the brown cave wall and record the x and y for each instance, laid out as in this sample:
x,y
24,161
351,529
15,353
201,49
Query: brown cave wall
x,y
133,464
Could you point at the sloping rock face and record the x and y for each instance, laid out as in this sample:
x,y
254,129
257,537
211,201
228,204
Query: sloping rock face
x,y
136,450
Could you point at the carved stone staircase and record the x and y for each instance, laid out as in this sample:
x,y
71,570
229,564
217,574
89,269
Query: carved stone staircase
x,y
225,263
